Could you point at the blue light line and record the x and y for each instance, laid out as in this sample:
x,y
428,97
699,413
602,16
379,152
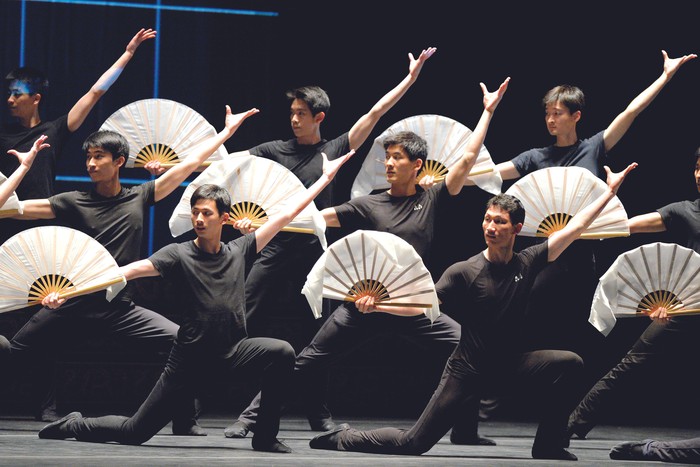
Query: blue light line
x,y
225,11
156,73
22,31
123,181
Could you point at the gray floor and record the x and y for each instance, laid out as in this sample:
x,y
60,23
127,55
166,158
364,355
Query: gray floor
x,y
19,445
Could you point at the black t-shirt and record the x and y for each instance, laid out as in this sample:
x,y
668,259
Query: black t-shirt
x,y
305,161
38,183
210,289
116,222
410,217
587,153
488,300
683,218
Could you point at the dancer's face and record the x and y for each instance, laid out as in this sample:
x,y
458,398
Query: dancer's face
x,y
101,165
560,121
304,125
498,229
206,220
399,168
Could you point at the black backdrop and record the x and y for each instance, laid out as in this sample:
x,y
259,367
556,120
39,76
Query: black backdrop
x,y
357,51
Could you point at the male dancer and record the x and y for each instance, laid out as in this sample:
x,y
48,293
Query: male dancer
x,y
284,263
662,336
408,211
114,216
209,278
487,294
27,89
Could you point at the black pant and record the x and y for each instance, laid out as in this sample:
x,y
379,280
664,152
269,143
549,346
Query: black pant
x,y
271,360
347,329
657,340
684,451
48,332
556,372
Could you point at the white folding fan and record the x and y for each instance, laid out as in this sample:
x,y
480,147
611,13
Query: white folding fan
x,y
552,196
12,206
259,188
368,262
446,140
644,279
41,260
161,130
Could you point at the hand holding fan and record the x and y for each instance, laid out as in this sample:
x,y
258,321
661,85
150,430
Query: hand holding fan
x,y
161,130
446,140
367,262
644,279
552,196
41,260
259,189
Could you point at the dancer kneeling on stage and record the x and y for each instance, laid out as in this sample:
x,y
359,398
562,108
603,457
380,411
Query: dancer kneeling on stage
x,y
209,277
487,295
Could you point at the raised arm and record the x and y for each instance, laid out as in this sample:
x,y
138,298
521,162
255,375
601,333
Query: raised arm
x,y
623,122
559,241
166,183
364,126
81,109
270,228
25,162
458,173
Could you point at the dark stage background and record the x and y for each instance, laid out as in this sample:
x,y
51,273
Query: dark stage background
x,y
357,51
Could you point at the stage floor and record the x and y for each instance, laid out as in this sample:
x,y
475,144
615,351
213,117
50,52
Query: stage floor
x,y
19,445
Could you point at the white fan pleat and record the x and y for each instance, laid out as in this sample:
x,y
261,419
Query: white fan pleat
x,y
647,277
376,263
553,195
47,259
446,140
257,186
12,206
160,129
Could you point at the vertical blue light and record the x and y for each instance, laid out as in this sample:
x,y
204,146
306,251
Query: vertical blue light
x,y
22,26
156,75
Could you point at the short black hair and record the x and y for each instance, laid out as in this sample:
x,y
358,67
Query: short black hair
x,y
316,98
570,96
415,146
110,141
509,204
221,197
36,79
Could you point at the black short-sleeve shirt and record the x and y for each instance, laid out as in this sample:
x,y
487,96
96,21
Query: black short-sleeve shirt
x,y
410,217
210,289
488,300
587,153
683,218
38,183
305,160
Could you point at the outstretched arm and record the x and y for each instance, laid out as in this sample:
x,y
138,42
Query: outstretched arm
x,y
82,108
458,173
167,182
647,223
623,122
25,162
559,241
364,126
270,228
141,268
